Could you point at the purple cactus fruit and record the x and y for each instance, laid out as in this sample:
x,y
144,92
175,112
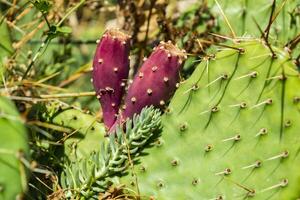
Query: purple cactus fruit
x,y
156,81
110,72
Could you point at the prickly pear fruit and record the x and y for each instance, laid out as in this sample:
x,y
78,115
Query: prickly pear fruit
x,y
156,80
110,71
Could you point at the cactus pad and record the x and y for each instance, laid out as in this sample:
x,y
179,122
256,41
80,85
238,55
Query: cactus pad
x,y
13,148
231,131
88,132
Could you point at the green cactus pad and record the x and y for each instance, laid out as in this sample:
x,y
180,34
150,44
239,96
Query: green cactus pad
x,y
87,135
231,131
242,14
13,146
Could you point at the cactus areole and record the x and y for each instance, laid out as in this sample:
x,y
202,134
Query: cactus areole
x,y
156,81
110,72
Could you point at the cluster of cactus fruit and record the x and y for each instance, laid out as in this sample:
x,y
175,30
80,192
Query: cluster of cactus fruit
x,y
154,83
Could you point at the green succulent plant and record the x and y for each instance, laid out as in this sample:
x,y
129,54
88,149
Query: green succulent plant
x,y
85,178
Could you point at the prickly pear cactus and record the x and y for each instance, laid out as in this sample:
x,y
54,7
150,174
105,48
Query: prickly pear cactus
x,y
87,134
13,149
110,72
231,131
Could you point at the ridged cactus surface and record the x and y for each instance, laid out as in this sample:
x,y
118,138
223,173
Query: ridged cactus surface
x,y
13,149
231,131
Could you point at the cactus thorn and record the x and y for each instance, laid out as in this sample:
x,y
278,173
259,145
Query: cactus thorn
x,y
208,148
183,127
288,123
266,102
262,131
296,100
166,79
215,109
195,181
149,91
225,172
160,184
257,164
225,76
282,183
174,162
154,68
243,105
141,74
284,154
100,61
234,138
133,100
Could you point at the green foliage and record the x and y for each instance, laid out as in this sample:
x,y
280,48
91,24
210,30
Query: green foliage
x,y
87,177
13,149
5,47
42,5
231,131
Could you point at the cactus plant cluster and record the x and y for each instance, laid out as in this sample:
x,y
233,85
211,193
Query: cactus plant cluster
x,y
231,131
154,83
